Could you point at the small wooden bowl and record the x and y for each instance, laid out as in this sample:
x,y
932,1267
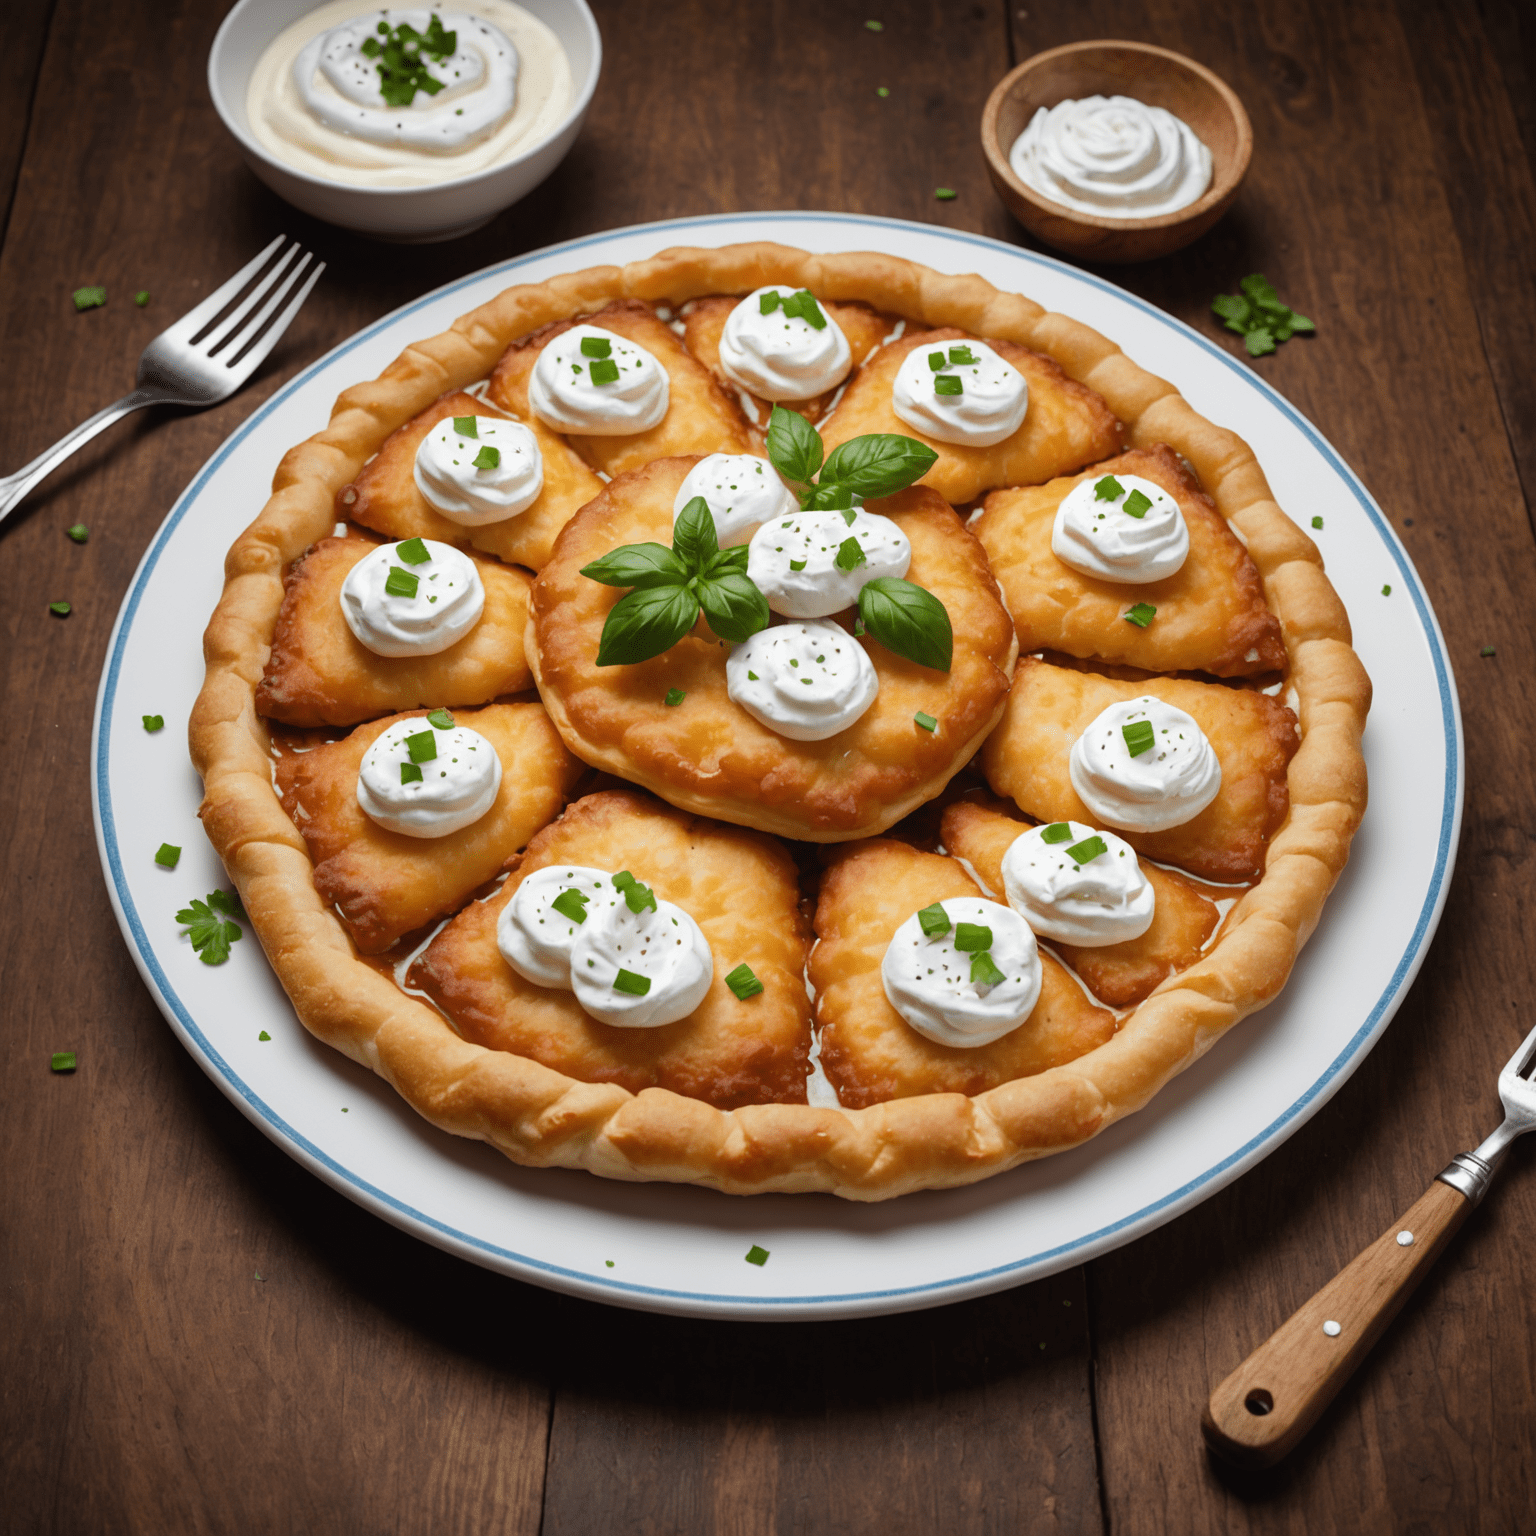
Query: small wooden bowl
x,y
1107,68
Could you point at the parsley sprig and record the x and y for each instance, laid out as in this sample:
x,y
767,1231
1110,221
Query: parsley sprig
x,y
210,933
1259,316
402,69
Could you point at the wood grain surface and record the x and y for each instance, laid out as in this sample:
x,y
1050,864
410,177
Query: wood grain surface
x,y
198,1335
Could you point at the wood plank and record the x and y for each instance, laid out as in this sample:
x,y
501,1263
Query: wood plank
x,y
20,61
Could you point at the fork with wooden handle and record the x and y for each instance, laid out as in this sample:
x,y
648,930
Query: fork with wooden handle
x,y
1259,1413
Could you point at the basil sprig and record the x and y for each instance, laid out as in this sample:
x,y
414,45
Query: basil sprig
x,y
670,586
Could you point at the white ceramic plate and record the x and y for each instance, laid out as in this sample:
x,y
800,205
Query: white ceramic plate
x,y
676,1249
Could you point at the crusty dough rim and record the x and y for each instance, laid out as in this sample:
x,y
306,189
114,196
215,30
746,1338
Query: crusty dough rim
x,y
539,1117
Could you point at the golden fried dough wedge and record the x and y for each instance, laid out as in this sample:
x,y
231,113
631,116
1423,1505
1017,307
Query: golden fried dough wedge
x,y
701,416
1254,738
707,754
981,832
1211,615
384,496
320,673
742,890
868,1051
384,884
1067,424
705,320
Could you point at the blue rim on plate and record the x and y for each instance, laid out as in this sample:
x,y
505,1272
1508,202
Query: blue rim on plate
x,y
621,1292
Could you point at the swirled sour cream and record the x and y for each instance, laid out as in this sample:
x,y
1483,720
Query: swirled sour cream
x,y
795,560
1166,782
806,680
1095,898
928,979
743,492
639,969
960,392
534,938
434,604
316,98
575,390
472,487
779,356
1112,156
1134,534
428,788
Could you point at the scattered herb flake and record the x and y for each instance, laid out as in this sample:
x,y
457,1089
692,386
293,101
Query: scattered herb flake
x,y
141,298
79,533
1317,522
873,26
89,298
797,565
927,722
167,856
467,426
1487,650
210,934
572,904
945,194
675,696
1107,489
768,302
636,896
62,1061
756,1255
61,610
153,723
1141,614
882,91
743,982
440,719
1260,316
850,555
263,1036
1386,590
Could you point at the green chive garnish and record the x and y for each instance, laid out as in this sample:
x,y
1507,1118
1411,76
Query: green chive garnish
x,y
936,360
264,1036
141,298
571,903
410,773
849,555
60,609
756,1255
960,356
1317,522
1107,489
413,552
1087,850
1138,736
488,458
934,921
466,426
945,194
62,1061
1057,832
636,896
882,91
797,565
89,298
743,982
948,384
400,582
1386,591
596,346
153,723
441,719
605,371
1137,504
971,937
1141,615
79,533
628,981
675,696
167,856
873,26
983,972
1487,650
422,747
927,722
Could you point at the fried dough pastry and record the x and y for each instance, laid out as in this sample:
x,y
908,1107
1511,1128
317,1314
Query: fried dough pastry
x,y
384,494
702,417
384,884
864,327
320,673
981,832
743,891
709,755
1067,424
868,1051
1254,738
1211,615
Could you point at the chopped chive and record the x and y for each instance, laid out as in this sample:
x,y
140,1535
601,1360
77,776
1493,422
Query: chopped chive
x,y
970,937
441,719
850,555
168,856
675,696
945,194
628,981
768,302
422,747
608,1262
882,91
1139,736
488,458
743,982
927,722
413,552
873,26
934,921
571,903
961,356
1057,832
59,609
637,897
263,1036
936,360
1137,504
604,371
89,298
141,298
596,346
79,533
1487,650
1317,522
983,972
1386,591
858,626
1140,615
410,773
948,384
400,582
1088,850
1107,489
467,426
153,723
797,565
62,1061
756,1255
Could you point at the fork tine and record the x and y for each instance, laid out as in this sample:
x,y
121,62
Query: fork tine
x,y
253,359
202,314
234,323
1523,1059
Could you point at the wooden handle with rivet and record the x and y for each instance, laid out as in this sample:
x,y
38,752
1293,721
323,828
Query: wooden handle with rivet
x,y
1259,1413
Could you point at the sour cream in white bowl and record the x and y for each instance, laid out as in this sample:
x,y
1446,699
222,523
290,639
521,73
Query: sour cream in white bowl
x,y
416,173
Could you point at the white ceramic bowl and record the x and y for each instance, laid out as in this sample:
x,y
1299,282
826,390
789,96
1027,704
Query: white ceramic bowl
x,y
398,213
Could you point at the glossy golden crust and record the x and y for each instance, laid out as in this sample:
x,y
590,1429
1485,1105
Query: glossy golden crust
x,y
1123,974
740,887
1211,615
701,417
320,673
868,1051
540,1117
385,884
1067,425
384,496
1253,736
709,755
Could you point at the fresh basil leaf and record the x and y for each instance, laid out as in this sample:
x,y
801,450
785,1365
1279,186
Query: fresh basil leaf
x,y
829,496
1235,311
1301,325
733,559
878,464
694,540
794,446
1260,342
646,623
908,620
1261,293
638,565
733,605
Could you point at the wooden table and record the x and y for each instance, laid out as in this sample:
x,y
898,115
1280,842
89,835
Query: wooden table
x,y
199,1335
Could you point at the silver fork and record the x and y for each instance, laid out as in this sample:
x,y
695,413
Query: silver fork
x,y
1259,1413
187,364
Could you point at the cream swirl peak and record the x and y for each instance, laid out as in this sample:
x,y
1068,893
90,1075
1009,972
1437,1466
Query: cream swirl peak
x,y
412,599
539,925
816,563
1077,885
479,469
426,781
1144,766
1120,528
960,392
806,680
588,380
781,345
741,491
1112,156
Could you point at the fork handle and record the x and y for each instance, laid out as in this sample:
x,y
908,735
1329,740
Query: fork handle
x,y
1259,1413
14,487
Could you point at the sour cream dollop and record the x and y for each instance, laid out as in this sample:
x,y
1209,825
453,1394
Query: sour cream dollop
x,y
779,356
1164,785
806,680
425,795
1096,534
436,602
660,947
535,939
473,493
794,560
960,392
1112,156
743,492
928,980
564,392
1097,898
